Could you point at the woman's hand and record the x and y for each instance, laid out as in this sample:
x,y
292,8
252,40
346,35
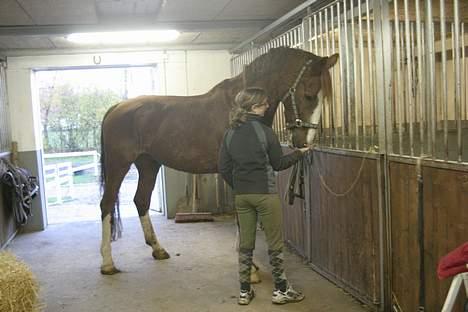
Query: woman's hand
x,y
305,149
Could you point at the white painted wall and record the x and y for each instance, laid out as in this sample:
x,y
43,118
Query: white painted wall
x,y
181,73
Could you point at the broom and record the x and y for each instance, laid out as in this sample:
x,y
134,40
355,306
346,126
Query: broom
x,y
194,216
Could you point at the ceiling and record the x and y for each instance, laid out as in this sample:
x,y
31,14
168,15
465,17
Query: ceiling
x,y
39,26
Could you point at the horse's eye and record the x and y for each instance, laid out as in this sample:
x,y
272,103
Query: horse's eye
x,y
310,97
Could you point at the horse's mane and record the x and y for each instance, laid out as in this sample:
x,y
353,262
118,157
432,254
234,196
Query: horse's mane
x,y
281,57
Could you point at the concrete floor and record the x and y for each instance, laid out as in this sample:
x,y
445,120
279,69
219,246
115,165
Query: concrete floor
x,y
200,276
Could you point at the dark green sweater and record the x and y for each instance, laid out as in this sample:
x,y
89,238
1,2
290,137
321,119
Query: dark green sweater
x,y
244,164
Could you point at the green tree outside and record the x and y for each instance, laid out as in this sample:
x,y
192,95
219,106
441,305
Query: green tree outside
x,y
71,119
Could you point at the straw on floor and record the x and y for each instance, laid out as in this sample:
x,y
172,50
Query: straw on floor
x,y
18,286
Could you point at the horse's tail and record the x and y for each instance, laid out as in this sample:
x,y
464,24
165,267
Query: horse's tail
x,y
116,223
103,150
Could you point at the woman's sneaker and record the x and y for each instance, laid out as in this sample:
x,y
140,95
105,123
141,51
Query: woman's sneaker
x,y
246,296
290,295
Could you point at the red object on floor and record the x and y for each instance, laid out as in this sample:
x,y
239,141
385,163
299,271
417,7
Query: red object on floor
x,y
454,262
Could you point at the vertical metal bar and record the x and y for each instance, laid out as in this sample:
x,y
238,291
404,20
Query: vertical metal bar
x,y
443,80
430,65
348,84
321,33
370,74
383,81
303,36
333,77
409,61
398,97
309,38
315,34
361,71
342,75
327,37
355,75
420,78
456,63
293,38
330,108
413,82
463,75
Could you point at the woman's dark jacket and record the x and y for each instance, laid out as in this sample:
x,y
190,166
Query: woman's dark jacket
x,y
246,164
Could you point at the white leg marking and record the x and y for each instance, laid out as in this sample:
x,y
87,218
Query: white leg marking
x,y
148,231
315,118
106,250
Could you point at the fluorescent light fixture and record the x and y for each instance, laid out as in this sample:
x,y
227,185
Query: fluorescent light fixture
x,y
122,37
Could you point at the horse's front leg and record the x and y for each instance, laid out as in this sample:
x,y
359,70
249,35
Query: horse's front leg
x,y
159,253
107,266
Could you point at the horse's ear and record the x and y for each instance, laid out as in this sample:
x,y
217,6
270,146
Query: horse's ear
x,y
331,60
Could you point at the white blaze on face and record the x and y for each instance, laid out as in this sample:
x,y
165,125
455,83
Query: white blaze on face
x,y
315,118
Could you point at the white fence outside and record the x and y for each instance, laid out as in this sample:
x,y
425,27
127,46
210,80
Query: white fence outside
x,y
59,176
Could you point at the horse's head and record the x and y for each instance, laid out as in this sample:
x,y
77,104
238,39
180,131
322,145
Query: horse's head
x,y
304,100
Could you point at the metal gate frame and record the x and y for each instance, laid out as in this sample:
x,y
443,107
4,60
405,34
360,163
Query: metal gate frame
x,y
403,86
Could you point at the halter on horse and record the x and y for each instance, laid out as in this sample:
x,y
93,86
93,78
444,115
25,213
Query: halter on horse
x,y
185,132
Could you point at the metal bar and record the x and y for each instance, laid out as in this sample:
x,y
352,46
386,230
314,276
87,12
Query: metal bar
x,y
463,76
355,76
333,77
330,106
409,97
361,71
430,64
315,35
383,77
342,75
457,76
399,106
309,39
443,80
413,84
321,33
420,78
371,88
348,84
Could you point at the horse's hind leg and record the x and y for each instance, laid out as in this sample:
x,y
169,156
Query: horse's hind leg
x,y
148,171
113,181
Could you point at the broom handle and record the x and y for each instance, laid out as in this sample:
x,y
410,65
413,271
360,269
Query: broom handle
x,y
194,193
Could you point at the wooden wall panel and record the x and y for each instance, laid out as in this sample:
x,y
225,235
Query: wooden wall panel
x,y
445,194
345,227
404,236
446,226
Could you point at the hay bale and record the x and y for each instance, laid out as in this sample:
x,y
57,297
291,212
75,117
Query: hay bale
x,y
18,286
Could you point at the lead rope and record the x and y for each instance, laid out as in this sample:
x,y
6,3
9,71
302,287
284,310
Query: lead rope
x,y
352,185
291,193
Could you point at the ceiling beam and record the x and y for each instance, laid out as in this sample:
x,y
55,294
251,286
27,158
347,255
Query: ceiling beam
x,y
188,26
39,52
287,17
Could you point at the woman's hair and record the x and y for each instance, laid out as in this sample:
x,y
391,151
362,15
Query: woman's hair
x,y
244,101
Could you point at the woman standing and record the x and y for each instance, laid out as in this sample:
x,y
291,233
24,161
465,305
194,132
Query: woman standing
x,y
249,155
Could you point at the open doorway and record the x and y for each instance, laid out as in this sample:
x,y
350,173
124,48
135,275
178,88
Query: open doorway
x,y
73,103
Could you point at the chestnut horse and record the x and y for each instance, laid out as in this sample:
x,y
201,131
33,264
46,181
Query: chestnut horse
x,y
185,132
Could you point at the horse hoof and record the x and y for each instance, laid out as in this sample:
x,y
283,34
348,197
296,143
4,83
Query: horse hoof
x,y
255,278
109,270
160,254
